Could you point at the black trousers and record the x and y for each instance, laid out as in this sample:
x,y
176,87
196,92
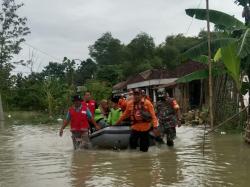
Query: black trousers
x,y
139,137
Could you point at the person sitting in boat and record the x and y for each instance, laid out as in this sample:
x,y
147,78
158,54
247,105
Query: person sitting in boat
x,y
115,112
104,108
101,114
100,118
78,116
142,114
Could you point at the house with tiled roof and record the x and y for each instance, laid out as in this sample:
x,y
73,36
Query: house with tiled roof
x,y
188,94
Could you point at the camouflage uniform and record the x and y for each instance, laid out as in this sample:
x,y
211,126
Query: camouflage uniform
x,y
167,118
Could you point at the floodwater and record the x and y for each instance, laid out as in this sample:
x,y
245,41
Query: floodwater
x,y
35,156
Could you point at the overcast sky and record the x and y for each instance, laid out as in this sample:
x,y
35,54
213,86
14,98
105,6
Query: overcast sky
x,y
67,27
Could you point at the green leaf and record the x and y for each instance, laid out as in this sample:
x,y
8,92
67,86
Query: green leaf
x,y
201,74
202,48
218,55
218,18
202,59
244,45
232,63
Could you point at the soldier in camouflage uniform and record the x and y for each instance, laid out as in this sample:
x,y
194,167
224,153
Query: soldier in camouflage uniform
x,y
168,115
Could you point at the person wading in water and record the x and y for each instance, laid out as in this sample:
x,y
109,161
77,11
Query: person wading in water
x,y
91,104
78,116
141,113
168,113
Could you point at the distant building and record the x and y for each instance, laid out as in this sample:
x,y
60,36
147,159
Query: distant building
x,y
189,95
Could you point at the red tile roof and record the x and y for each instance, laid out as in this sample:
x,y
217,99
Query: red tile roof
x,y
183,69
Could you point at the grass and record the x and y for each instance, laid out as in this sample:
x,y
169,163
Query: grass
x,y
30,117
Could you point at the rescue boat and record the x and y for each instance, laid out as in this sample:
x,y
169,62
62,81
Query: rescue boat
x,y
111,137
115,137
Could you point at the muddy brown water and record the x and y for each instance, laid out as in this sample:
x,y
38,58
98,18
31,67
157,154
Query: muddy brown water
x,y
35,156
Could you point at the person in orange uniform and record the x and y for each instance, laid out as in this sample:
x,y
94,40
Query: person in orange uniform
x,y
122,103
142,114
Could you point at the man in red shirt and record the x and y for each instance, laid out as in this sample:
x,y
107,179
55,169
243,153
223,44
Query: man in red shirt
x,y
91,104
78,116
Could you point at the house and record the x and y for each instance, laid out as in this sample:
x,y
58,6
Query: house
x,y
189,95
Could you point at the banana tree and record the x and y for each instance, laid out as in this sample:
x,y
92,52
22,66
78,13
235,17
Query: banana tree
x,y
234,45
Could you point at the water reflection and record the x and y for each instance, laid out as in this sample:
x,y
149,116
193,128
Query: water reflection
x,y
81,167
36,156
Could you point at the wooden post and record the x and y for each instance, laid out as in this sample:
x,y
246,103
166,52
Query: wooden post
x,y
247,135
1,110
210,68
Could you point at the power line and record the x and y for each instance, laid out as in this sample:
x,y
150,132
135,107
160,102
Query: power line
x,y
198,6
45,53
15,71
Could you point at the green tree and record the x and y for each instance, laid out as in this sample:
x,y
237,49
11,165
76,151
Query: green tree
x,y
99,89
56,95
69,71
108,74
140,48
181,42
107,50
86,70
169,55
12,32
54,69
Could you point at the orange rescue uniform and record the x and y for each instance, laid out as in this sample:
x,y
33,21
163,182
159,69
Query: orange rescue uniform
x,y
122,103
139,125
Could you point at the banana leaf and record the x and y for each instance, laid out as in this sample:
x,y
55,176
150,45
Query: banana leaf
x,y
201,74
218,18
232,63
244,44
218,55
202,48
202,59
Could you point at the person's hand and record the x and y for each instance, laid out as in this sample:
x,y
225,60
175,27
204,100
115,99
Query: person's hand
x,y
179,123
61,132
97,127
156,132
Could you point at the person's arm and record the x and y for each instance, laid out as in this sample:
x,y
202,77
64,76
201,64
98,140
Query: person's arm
x,y
91,119
154,119
152,112
65,123
94,123
109,118
125,115
177,111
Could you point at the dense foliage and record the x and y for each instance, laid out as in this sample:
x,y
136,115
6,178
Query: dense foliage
x,y
110,62
51,89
